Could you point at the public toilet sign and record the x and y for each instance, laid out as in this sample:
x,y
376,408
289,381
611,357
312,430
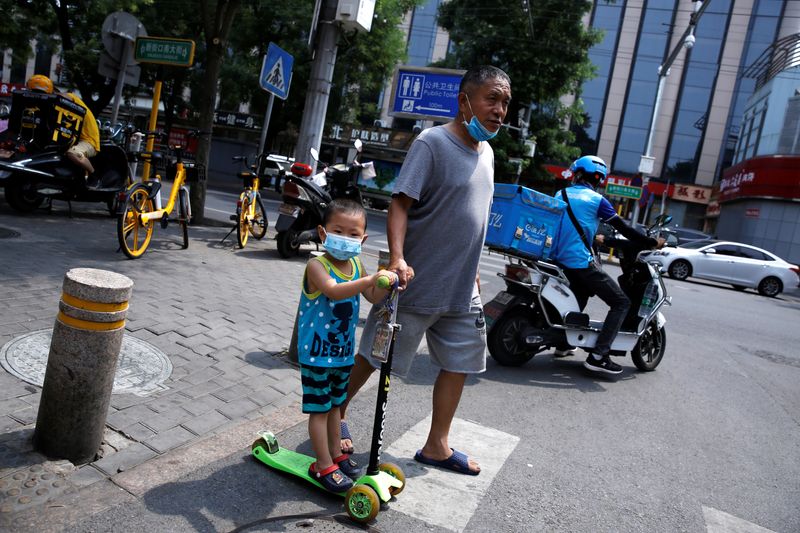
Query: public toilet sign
x,y
425,93
164,51
276,71
625,191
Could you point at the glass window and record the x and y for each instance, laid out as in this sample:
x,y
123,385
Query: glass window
x,y
751,253
761,33
699,77
422,34
651,50
726,249
607,16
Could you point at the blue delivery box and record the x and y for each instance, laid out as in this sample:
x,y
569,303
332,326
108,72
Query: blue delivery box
x,y
523,222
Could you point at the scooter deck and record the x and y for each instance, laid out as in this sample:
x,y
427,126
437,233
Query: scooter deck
x,y
290,462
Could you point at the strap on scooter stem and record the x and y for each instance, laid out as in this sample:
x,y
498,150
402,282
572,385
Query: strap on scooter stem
x,y
575,223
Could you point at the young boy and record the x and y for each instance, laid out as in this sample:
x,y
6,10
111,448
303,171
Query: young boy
x,y
327,318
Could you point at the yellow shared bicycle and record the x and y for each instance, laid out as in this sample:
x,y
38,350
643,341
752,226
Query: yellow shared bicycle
x,y
250,217
141,208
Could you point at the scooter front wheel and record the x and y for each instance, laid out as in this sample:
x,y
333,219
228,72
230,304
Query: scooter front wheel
x,y
362,503
649,351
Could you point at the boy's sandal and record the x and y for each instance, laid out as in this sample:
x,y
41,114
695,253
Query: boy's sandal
x,y
347,465
344,432
332,478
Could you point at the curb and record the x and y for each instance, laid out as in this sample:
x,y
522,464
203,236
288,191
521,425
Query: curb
x,y
72,507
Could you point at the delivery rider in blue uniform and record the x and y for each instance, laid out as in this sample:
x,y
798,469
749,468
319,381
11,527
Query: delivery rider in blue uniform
x,y
573,252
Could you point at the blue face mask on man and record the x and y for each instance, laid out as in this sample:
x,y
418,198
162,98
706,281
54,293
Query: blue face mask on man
x,y
477,130
341,247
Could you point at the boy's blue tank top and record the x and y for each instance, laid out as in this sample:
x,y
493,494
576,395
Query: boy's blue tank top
x,y
326,329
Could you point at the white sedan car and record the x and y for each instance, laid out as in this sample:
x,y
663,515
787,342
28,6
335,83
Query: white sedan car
x,y
741,265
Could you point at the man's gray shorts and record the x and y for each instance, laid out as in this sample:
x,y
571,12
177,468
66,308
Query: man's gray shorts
x,y
456,341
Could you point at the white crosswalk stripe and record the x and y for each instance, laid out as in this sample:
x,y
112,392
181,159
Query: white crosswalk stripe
x,y
429,498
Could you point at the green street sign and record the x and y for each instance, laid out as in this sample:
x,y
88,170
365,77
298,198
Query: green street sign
x,y
164,51
626,191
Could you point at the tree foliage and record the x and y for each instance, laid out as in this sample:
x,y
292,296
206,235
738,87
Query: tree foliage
x,y
544,50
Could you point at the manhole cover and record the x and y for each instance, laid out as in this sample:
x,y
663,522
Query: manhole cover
x,y
6,233
141,368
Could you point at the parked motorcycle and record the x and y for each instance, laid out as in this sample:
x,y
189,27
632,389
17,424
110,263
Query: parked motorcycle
x,y
30,178
537,311
305,199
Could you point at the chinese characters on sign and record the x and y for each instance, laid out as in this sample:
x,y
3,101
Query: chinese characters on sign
x,y
236,120
371,136
691,193
176,52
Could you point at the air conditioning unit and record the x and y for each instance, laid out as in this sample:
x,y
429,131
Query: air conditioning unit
x,y
355,14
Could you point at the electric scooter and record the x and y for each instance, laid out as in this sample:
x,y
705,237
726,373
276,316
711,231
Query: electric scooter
x,y
382,480
538,310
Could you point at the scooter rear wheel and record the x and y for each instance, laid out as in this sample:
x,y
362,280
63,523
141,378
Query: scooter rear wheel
x,y
287,244
396,472
505,342
362,503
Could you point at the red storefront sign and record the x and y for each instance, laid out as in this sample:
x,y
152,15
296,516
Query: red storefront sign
x,y
6,88
762,177
691,193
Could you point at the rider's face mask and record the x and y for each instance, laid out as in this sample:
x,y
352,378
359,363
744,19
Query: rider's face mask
x,y
477,130
341,247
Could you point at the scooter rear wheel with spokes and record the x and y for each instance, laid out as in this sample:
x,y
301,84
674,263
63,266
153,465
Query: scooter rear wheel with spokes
x,y
287,243
505,342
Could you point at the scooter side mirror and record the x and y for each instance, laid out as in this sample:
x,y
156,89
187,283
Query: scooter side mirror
x,y
314,154
359,145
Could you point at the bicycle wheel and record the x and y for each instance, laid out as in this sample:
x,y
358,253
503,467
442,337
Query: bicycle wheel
x,y
183,215
133,234
259,226
242,224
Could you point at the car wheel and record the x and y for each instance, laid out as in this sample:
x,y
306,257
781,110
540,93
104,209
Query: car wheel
x,y
770,286
680,269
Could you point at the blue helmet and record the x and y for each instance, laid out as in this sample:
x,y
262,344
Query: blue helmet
x,y
593,170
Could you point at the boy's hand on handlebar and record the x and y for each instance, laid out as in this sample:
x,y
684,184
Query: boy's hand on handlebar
x,y
381,278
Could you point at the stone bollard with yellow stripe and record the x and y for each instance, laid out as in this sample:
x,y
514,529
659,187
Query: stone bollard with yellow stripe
x,y
87,338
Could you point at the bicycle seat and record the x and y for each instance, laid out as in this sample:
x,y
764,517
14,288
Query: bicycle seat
x,y
145,156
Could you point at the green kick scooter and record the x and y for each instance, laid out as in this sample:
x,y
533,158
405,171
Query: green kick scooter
x,y
382,480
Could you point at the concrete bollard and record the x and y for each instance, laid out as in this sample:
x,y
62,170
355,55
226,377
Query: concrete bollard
x,y
87,338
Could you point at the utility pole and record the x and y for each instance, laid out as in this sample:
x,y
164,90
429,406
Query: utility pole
x,y
319,86
647,162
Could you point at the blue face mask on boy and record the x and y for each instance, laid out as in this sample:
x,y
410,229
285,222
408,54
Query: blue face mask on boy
x,y
341,247
477,130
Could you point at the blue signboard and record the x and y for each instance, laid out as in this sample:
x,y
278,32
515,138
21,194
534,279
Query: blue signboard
x,y
276,71
421,92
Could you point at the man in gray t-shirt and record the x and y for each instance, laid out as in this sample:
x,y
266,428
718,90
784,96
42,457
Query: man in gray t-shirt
x,y
436,227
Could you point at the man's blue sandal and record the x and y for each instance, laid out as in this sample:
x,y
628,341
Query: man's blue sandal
x,y
345,434
457,462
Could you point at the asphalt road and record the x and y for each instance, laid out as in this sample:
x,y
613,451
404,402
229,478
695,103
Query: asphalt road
x,y
710,441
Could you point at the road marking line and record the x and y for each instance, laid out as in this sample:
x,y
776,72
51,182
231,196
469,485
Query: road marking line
x,y
721,522
440,497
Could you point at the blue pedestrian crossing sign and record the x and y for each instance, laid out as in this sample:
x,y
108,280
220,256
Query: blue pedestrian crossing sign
x,y
425,92
276,71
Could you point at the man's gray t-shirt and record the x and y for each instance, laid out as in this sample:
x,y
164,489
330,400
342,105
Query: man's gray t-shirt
x,y
453,186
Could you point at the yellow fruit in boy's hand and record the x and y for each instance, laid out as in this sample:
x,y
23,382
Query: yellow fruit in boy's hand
x,y
383,282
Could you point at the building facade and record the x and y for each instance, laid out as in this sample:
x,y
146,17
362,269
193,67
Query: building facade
x,y
704,97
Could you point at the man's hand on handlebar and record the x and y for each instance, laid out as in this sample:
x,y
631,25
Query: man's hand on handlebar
x,y
405,273
661,242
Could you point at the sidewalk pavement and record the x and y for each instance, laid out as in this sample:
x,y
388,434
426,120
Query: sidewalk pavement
x,y
223,318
